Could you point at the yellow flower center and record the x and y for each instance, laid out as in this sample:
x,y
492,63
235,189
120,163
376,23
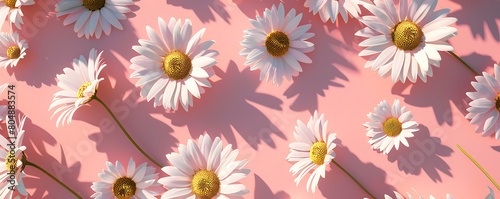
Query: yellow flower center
x,y
94,5
277,43
406,35
497,104
82,89
11,163
392,127
318,153
177,65
205,184
13,52
124,188
11,3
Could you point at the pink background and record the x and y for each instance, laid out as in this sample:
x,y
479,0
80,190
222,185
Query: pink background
x,y
256,117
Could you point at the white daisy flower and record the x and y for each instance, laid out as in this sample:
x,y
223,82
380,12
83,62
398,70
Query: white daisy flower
x,y
79,86
93,17
485,105
405,45
204,171
11,154
11,10
330,9
312,151
14,49
277,44
174,67
133,183
390,126
3,108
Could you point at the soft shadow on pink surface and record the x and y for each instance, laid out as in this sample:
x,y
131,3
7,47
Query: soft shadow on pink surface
x,y
496,148
35,140
226,105
425,153
262,190
251,8
335,183
476,13
204,9
449,84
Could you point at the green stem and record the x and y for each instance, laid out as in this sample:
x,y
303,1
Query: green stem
x,y
479,166
124,131
50,175
463,62
359,184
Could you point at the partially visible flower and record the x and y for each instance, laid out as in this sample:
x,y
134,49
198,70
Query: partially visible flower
x,y
11,10
176,68
11,154
485,105
312,151
491,195
277,44
3,108
79,86
390,126
132,183
206,170
330,9
11,49
93,17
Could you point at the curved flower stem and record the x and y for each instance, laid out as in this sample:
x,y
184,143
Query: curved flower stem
x,y
26,162
463,62
359,184
479,166
124,131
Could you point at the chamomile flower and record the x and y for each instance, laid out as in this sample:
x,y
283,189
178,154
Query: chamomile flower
x,y
79,86
390,126
405,45
485,105
206,170
277,44
11,10
330,9
13,49
132,183
312,151
92,17
174,67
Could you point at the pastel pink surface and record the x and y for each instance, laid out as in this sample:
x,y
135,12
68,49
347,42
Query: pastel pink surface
x,y
256,117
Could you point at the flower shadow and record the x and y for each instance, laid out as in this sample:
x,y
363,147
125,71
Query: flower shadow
x,y
204,9
469,15
496,148
252,8
227,105
262,190
425,153
334,184
450,83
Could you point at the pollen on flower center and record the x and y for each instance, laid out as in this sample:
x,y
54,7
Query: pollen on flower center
x,y
11,163
392,127
277,43
13,52
406,35
318,153
205,184
177,65
124,188
497,102
11,3
82,88
94,5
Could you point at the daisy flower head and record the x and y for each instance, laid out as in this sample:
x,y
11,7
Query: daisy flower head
x,y
330,9
132,183
390,126
312,151
405,45
204,170
11,10
11,155
277,44
174,67
92,17
14,50
79,86
485,105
